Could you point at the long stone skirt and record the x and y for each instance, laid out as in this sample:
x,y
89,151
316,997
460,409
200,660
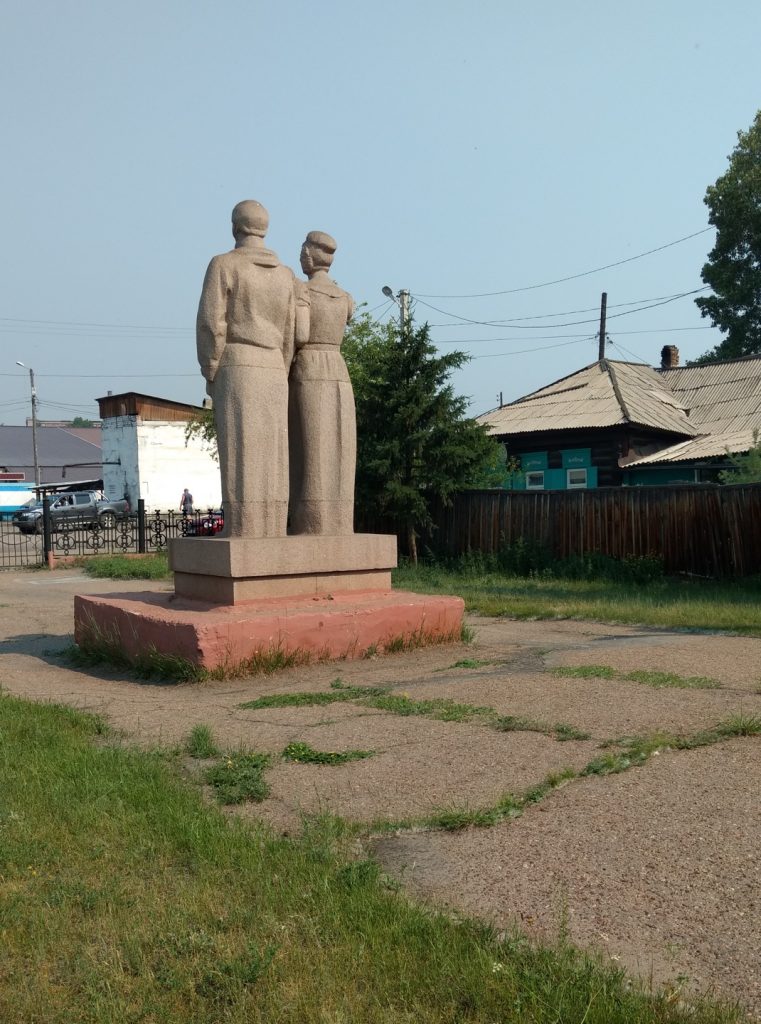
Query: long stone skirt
x,y
323,443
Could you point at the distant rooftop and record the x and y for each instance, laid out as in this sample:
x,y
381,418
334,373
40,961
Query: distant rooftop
x,y
716,407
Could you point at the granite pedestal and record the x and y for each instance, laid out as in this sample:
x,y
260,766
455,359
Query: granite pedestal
x,y
236,599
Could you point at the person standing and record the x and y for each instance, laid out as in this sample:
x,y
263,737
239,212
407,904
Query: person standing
x,y
321,414
186,503
245,333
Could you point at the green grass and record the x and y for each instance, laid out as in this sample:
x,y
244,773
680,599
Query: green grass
x,y
657,680
102,649
302,753
126,898
239,778
660,679
511,805
122,567
632,751
305,698
440,708
585,672
564,732
676,604
200,743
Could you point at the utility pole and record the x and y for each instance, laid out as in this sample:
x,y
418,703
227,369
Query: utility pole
x,y
403,302
34,425
603,310
404,308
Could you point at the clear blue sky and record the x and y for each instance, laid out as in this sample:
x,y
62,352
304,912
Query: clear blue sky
x,y
450,147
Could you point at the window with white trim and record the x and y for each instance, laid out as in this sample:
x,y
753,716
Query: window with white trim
x,y
576,478
535,481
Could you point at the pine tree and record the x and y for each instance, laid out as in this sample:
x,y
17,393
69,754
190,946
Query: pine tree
x,y
733,269
415,443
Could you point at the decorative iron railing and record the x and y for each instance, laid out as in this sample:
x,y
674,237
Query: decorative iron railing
x,y
78,537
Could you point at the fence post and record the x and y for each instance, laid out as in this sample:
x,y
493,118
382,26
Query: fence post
x,y
47,532
141,525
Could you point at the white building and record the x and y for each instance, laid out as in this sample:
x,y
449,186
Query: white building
x,y
146,455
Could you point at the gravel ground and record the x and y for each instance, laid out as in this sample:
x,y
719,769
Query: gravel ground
x,y
657,866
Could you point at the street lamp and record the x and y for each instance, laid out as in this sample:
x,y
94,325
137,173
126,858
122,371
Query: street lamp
x,y
37,480
403,302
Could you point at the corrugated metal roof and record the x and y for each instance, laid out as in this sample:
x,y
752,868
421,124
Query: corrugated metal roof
x,y
723,398
704,447
57,447
718,402
604,394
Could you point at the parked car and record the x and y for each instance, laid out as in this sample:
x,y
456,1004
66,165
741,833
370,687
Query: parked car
x,y
81,508
206,526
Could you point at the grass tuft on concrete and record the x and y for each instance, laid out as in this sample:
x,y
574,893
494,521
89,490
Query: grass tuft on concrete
x,y
658,680
302,753
239,777
200,743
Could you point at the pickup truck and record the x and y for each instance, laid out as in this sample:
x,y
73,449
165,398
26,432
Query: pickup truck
x,y
81,508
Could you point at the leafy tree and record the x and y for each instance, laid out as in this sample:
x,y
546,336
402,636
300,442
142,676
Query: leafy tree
x,y
746,468
502,470
414,442
202,427
80,421
733,269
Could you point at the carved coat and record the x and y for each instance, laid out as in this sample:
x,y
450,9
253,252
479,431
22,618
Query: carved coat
x,y
245,338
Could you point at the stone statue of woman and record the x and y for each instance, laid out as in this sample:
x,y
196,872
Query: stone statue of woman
x,y
321,417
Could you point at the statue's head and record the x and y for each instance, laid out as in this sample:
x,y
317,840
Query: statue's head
x,y
250,218
317,252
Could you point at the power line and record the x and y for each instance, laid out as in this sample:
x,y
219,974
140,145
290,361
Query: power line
x,y
26,322
567,312
542,337
386,302
570,323
117,376
570,277
628,351
537,348
78,323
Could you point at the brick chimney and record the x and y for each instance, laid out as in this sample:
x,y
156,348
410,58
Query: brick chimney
x,y
669,357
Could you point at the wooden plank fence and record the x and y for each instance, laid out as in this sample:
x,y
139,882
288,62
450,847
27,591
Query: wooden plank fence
x,y
708,530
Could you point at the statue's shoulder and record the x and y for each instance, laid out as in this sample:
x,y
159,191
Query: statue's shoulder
x,y
327,286
222,260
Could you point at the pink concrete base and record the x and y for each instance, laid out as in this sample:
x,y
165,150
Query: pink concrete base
x,y
343,625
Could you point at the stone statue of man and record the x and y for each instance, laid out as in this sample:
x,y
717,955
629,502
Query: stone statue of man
x,y
245,334
321,417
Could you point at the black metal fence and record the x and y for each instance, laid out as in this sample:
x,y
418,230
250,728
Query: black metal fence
x,y
77,537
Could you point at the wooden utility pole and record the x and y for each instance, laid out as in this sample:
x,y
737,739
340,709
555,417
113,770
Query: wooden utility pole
x,y
603,310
